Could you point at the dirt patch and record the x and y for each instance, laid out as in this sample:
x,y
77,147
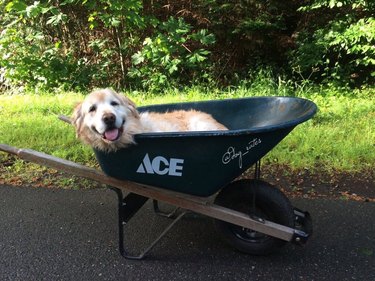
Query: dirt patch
x,y
358,186
14,171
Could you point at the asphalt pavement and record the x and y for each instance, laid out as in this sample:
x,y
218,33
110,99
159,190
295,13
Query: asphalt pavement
x,y
52,234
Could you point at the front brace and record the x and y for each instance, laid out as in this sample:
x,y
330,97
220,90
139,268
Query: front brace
x,y
128,206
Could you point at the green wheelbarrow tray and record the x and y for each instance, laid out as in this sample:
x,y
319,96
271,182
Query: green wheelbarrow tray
x,y
201,163
184,169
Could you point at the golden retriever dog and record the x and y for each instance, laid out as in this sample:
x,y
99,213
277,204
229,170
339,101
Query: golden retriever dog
x,y
108,121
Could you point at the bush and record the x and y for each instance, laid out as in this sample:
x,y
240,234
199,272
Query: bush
x,y
175,54
96,43
340,45
132,43
71,43
29,55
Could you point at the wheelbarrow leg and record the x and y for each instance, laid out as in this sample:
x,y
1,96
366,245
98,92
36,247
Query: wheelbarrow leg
x,y
127,207
257,170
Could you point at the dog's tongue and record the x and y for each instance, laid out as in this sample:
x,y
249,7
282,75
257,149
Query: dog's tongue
x,y
111,135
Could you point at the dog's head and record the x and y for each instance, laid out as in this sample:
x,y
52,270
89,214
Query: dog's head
x,y
106,120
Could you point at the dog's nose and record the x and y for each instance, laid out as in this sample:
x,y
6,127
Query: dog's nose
x,y
109,118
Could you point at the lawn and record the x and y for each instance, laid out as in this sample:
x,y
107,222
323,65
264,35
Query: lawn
x,y
341,137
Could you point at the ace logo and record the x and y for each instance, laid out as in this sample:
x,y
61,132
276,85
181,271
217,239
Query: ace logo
x,y
161,166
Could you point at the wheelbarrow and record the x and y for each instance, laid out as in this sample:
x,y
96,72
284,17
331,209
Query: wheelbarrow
x,y
197,172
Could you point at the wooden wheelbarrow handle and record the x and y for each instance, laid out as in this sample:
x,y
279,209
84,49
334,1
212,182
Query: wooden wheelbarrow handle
x,y
65,119
9,149
184,201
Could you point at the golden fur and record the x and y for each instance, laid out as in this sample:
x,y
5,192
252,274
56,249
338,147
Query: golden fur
x,y
108,121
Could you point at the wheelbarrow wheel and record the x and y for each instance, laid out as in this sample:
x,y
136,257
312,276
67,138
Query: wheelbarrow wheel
x,y
260,200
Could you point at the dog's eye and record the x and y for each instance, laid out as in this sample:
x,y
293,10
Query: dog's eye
x,y
114,103
92,108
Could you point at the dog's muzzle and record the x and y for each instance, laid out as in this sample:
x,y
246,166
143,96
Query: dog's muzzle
x,y
109,119
112,133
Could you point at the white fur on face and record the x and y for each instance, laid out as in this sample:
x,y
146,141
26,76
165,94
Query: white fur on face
x,y
91,128
96,106
88,118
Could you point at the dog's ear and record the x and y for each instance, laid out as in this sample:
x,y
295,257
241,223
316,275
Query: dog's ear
x,y
77,118
130,104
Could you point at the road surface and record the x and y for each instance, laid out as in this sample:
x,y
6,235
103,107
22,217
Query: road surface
x,y
52,234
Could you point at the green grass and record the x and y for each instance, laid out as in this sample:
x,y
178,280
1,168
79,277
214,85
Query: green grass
x,y
341,136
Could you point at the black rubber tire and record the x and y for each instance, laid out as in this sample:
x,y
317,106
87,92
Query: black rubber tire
x,y
270,204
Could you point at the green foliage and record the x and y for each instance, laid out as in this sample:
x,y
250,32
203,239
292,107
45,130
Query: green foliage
x,y
250,35
67,43
174,53
73,44
340,46
28,60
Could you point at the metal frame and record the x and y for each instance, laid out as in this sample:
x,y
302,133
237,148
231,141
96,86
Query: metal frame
x,y
128,206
